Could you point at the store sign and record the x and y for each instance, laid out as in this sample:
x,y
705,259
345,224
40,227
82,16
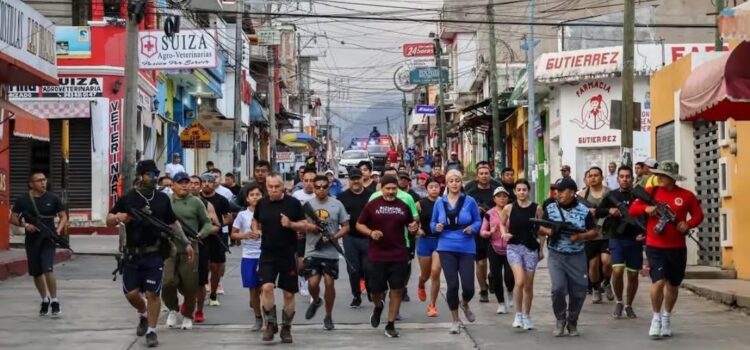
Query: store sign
x,y
285,157
269,37
419,50
426,109
429,75
681,50
68,87
27,37
191,48
115,151
195,136
592,117
579,63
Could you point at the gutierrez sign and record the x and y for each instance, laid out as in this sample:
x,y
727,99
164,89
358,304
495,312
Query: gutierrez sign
x,y
190,48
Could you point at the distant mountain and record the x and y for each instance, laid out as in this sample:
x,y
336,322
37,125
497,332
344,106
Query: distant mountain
x,y
361,124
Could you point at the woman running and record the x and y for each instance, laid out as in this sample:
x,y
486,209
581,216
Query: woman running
x,y
524,250
499,265
429,261
241,230
456,219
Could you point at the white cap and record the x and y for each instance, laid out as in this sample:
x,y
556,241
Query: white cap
x,y
375,173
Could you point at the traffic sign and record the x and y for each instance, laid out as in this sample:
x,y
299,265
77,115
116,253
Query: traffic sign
x,y
426,109
427,75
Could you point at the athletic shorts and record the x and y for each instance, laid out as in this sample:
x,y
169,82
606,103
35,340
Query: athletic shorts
x,y
596,248
627,253
483,244
426,246
519,254
321,266
281,270
216,252
387,275
667,264
203,254
249,272
40,256
143,273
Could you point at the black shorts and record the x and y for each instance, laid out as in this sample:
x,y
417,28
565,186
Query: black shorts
x,y
667,263
385,275
301,248
483,245
279,269
596,248
216,251
143,273
40,256
203,254
319,266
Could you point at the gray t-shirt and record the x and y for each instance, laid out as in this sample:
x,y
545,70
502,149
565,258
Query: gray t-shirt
x,y
332,212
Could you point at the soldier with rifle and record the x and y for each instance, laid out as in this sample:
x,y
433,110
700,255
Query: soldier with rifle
x,y
147,214
667,206
568,224
321,254
35,211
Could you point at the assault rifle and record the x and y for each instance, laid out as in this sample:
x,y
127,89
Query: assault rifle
x,y
558,229
626,219
324,232
46,231
665,213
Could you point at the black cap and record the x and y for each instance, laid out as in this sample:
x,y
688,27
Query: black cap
x,y
355,174
145,166
404,175
567,183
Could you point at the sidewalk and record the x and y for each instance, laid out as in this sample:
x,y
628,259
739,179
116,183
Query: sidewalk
x,y
13,262
730,292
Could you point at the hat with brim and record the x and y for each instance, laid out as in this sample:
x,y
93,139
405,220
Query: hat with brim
x,y
500,190
669,169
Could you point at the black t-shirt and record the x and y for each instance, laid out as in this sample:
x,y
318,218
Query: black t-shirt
x,y
221,205
425,215
373,187
483,196
511,194
277,241
235,189
354,203
49,205
140,234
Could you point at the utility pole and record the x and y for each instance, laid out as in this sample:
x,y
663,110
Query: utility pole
x,y
130,125
239,39
406,120
388,124
328,119
272,105
300,91
719,8
441,144
493,89
531,132
628,48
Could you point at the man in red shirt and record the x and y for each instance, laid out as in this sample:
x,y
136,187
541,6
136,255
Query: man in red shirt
x,y
666,251
392,157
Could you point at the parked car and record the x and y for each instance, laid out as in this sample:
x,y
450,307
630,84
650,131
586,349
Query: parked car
x,y
351,158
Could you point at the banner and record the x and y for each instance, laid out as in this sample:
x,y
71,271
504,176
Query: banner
x,y
190,48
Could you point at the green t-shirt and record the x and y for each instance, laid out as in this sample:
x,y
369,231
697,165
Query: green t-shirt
x,y
191,211
406,198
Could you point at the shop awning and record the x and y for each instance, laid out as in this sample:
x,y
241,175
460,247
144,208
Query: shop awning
x,y
291,144
298,137
719,89
25,124
59,109
734,23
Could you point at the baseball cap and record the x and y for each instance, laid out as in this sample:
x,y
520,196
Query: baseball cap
x,y
651,163
355,173
404,175
181,176
375,173
567,184
175,154
500,190
208,177
329,172
423,176
147,165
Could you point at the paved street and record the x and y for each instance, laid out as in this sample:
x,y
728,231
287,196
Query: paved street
x,y
96,316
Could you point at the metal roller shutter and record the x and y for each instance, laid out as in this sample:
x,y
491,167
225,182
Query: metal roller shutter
x,y
665,142
20,166
79,167
706,142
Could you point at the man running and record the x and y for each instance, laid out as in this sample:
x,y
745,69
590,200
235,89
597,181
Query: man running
x,y
473,183
321,258
384,220
40,250
277,219
179,273
625,243
508,181
356,244
304,195
483,195
666,250
203,253
597,249
216,251
145,248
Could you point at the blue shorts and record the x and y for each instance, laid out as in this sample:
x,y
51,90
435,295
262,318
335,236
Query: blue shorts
x,y
143,273
249,271
626,253
426,246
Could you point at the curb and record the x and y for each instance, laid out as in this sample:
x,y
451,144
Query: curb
x,y
19,267
726,298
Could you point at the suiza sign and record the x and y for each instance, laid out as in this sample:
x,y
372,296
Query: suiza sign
x,y
191,48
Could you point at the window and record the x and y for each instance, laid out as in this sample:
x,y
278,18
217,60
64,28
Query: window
x,y
723,133
725,227
112,8
665,142
725,180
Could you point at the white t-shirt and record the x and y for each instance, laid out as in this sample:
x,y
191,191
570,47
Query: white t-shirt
x,y
225,192
173,169
302,196
250,247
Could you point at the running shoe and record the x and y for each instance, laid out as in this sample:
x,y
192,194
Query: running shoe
x,y
509,299
214,302
629,312
313,308
356,303
431,310
484,296
187,323
362,285
151,340
528,323
518,321
421,293
597,297
467,312
618,310
455,327
328,323
501,309
142,326
391,332
655,330
375,316
303,288
609,292
172,319
45,308
258,324
572,329
220,289
199,317
559,328
666,326
405,298
54,308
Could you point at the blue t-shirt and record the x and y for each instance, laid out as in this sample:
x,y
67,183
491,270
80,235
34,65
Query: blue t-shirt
x,y
457,240
578,215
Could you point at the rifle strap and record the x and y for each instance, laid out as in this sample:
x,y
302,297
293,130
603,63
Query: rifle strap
x,y
36,210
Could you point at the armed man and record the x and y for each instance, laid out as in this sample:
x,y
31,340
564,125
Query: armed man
x,y
145,213
667,206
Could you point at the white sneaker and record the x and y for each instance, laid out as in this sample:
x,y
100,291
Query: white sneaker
x,y
455,327
518,321
501,309
187,323
666,326
303,289
509,300
528,323
172,319
655,330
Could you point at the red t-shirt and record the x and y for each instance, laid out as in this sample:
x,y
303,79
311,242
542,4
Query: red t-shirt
x,y
391,218
682,202
392,156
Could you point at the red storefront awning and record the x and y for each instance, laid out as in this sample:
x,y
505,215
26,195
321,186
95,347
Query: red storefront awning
x,y
25,124
719,89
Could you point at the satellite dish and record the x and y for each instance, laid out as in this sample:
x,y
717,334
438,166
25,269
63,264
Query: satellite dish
x,y
401,80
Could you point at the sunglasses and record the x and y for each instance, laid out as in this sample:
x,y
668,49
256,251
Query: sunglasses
x,y
323,187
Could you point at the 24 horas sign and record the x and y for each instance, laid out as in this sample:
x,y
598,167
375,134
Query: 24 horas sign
x,y
190,48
